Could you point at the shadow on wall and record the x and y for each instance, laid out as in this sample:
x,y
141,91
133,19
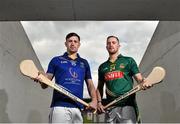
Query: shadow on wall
x,y
3,106
34,117
170,114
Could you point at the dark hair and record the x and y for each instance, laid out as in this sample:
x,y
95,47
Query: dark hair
x,y
72,34
112,37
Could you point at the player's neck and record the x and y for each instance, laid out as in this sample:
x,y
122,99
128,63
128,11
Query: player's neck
x,y
113,57
72,55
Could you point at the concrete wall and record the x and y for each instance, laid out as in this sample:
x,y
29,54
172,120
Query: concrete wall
x,y
21,100
162,102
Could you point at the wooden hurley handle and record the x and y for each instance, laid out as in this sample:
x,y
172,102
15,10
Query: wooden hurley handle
x,y
134,90
61,89
155,77
28,68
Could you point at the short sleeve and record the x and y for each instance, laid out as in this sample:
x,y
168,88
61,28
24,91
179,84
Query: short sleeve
x,y
134,67
100,74
87,71
51,67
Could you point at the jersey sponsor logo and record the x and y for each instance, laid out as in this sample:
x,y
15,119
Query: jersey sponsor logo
x,y
73,73
114,75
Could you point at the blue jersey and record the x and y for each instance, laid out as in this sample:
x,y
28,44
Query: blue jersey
x,y
71,75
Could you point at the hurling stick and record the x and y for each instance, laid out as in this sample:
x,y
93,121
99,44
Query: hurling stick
x,y
28,68
155,77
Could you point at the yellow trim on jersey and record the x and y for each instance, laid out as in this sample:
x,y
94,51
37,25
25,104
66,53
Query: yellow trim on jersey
x,y
110,93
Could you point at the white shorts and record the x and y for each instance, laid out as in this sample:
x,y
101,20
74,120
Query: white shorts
x,y
65,115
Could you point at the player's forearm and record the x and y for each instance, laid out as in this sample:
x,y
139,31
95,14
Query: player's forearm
x,y
99,95
99,91
139,78
92,92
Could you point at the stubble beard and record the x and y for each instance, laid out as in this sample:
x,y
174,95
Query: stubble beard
x,y
113,52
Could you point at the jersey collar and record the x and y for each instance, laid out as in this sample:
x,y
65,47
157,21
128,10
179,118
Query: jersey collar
x,y
119,56
66,56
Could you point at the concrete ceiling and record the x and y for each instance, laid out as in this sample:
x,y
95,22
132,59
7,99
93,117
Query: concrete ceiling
x,y
89,10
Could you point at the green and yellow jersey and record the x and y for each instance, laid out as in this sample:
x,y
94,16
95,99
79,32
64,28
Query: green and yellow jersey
x,y
117,77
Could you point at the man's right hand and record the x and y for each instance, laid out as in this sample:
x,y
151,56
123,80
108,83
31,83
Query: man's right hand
x,y
39,80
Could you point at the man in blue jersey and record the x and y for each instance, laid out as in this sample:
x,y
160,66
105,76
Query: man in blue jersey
x,y
70,71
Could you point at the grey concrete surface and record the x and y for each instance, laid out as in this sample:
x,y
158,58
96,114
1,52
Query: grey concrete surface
x,y
89,10
161,103
21,100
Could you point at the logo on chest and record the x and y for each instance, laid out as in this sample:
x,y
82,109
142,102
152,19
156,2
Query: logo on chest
x,y
63,62
113,75
73,63
122,66
82,65
73,73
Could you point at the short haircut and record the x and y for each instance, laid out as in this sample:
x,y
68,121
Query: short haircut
x,y
72,34
113,37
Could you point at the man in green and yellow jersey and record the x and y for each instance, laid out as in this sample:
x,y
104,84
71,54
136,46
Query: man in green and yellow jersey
x,y
117,74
